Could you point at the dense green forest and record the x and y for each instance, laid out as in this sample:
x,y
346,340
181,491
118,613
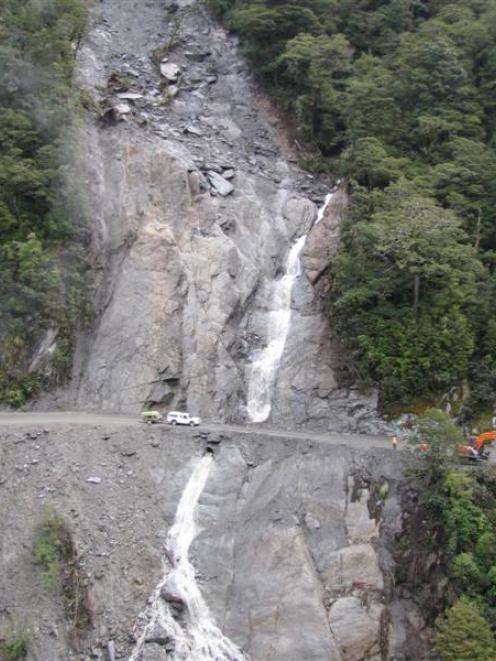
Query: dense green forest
x,y
398,97
41,228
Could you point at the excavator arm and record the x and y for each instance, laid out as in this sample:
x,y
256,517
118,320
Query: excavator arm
x,y
484,438
473,452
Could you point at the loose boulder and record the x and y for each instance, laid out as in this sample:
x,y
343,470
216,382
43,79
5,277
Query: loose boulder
x,y
170,71
356,628
219,183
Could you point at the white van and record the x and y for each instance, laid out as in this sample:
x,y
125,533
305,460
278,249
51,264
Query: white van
x,y
180,418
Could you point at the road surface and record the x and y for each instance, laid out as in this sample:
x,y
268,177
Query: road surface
x,y
54,418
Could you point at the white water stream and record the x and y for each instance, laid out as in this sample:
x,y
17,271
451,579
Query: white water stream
x,y
193,633
264,367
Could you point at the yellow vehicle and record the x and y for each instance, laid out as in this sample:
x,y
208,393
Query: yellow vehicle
x,y
152,417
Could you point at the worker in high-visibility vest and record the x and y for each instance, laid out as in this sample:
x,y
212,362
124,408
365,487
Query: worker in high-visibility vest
x,y
394,443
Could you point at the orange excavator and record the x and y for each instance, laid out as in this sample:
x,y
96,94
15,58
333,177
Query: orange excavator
x,y
475,450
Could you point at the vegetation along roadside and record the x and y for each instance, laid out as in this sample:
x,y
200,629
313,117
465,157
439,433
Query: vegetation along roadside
x,y
446,552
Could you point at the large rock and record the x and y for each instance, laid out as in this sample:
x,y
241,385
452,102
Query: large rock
x,y
155,652
356,627
408,636
171,592
170,71
355,565
361,526
285,610
219,184
299,212
323,240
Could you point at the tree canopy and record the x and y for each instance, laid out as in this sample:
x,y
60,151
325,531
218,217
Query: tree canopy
x,y
40,232
464,635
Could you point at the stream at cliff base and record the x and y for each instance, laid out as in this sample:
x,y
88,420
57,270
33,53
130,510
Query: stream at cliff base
x,y
264,367
177,617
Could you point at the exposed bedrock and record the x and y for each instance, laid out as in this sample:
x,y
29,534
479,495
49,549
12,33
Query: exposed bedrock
x,y
293,557
194,201
309,574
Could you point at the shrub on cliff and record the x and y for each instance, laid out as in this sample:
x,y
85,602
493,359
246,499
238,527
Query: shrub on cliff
x,y
14,644
56,555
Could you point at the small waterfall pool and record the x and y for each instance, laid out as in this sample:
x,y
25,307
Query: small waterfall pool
x,y
264,368
177,614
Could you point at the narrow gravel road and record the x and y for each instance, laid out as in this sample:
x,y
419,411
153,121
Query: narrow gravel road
x,y
50,419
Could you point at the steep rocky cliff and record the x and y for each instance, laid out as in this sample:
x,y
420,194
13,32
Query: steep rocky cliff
x,y
294,555
194,201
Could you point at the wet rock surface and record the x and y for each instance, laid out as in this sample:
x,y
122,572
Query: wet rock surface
x,y
278,526
194,202
323,240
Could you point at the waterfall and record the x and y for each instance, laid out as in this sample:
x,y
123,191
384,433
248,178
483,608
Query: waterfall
x,y
264,367
177,616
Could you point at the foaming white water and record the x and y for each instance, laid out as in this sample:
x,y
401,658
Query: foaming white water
x,y
322,209
264,367
189,633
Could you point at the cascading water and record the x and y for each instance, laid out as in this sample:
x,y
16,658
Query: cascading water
x,y
188,633
264,368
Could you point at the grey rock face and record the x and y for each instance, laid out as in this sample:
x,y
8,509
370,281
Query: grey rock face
x,y
185,261
357,563
44,352
357,628
277,584
323,240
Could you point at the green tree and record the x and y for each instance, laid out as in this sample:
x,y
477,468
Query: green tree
x,y
41,256
319,66
463,634
466,573
417,237
439,431
367,163
405,282
268,29
370,106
